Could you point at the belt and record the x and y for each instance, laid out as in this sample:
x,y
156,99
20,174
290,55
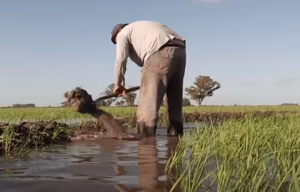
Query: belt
x,y
180,44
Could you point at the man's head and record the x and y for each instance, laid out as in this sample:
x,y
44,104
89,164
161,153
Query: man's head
x,y
116,30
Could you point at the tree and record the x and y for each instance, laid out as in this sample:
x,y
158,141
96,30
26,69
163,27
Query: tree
x,y
203,87
130,98
120,103
23,105
186,102
101,103
108,90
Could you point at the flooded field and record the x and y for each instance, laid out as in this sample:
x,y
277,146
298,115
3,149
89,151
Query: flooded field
x,y
102,165
249,153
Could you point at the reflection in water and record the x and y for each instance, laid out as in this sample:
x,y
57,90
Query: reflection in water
x,y
150,168
103,165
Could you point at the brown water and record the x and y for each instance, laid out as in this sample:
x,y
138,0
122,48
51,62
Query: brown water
x,y
104,165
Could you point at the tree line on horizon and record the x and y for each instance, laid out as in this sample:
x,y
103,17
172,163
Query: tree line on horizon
x,y
203,87
17,105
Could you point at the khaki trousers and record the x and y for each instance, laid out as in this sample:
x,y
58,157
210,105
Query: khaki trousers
x,y
163,73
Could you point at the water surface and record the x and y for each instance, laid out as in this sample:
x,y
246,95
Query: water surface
x,y
104,165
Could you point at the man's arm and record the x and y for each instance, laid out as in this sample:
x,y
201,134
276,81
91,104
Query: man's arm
x,y
121,59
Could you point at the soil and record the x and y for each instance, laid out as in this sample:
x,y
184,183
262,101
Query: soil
x,y
82,102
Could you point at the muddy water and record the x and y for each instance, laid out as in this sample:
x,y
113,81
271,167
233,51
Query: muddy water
x,y
102,165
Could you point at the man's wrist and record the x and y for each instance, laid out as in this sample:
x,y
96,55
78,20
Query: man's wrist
x,y
119,81
119,84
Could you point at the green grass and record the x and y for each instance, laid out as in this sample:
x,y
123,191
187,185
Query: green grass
x,y
36,139
254,155
12,115
250,143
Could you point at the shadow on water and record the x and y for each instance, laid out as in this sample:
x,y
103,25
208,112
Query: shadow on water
x,y
103,165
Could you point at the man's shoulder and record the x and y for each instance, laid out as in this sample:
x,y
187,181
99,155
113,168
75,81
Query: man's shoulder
x,y
127,30
142,25
143,22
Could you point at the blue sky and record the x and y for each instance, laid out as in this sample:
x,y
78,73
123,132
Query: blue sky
x,y
251,47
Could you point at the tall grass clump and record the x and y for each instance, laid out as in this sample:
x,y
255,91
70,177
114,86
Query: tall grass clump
x,y
253,154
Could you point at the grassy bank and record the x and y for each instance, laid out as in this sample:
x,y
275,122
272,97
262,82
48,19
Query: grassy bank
x,y
26,135
67,115
248,155
22,137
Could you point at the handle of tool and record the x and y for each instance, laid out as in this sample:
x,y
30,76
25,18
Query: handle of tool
x,y
116,95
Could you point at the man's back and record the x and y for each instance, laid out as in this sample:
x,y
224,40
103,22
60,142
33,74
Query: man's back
x,y
146,37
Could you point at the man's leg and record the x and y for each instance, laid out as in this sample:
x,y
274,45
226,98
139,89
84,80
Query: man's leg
x,y
152,91
174,94
161,69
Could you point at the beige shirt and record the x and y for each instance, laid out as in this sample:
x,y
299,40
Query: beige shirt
x,y
139,40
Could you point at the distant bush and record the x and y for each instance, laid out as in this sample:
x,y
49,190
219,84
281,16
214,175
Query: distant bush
x,y
23,105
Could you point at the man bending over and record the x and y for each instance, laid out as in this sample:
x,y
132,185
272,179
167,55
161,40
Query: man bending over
x,y
162,54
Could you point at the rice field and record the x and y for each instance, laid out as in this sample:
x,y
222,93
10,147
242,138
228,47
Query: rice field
x,y
12,115
246,154
249,155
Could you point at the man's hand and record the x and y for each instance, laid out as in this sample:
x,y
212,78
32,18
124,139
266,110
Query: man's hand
x,y
120,90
